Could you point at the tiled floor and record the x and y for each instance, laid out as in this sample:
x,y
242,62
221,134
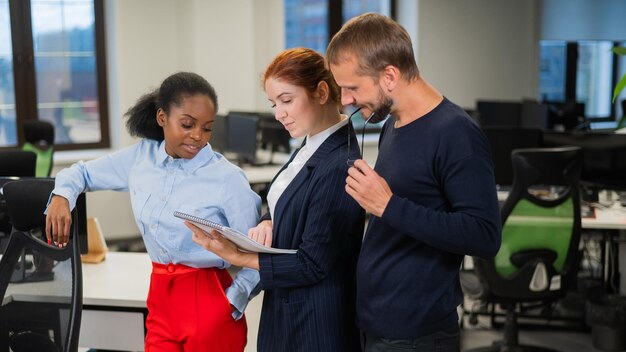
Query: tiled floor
x,y
559,340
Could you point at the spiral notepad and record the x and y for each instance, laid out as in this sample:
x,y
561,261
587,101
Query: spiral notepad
x,y
245,243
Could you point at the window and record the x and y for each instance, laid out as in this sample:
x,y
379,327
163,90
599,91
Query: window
x,y
59,71
8,135
311,24
306,24
552,71
583,71
593,77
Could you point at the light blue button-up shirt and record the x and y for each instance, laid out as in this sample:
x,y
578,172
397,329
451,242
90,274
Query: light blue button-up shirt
x,y
207,186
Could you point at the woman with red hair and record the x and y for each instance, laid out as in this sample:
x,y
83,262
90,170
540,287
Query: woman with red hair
x,y
309,298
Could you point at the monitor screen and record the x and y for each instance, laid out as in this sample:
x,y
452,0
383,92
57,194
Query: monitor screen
x,y
604,156
503,141
566,116
242,136
219,134
499,113
274,137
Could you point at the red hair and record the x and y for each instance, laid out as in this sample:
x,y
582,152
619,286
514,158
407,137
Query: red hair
x,y
305,68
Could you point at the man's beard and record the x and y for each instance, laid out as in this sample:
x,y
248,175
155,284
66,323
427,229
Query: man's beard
x,y
384,108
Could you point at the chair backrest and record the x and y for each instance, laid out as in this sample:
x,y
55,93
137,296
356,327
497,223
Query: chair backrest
x,y
19,163
541,223
43,304
39,137
39,132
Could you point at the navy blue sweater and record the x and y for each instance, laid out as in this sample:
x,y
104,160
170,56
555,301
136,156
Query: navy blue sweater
x,y
444,206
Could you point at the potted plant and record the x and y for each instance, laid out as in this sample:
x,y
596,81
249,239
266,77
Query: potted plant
x,y
619,87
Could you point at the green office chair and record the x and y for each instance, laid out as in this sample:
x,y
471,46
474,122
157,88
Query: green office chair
x,y
538,258
38,316
39,137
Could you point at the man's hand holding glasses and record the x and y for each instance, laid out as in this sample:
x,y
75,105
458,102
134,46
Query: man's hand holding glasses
x,y
367,187
363,183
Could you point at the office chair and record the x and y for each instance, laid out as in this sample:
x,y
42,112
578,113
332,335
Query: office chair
x,y
31,313
39,137
538,258
19,163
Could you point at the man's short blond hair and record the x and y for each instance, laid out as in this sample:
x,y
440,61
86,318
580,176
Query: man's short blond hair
x,y
376,41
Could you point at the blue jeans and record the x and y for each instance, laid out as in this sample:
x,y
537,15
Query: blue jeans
x,y
440,341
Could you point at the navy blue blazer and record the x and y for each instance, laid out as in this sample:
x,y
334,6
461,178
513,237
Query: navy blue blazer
x,y
309,299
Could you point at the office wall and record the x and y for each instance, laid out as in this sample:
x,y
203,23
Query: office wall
x,y
479,49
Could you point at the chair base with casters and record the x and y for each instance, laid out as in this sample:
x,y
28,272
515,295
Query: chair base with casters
x,y
510,342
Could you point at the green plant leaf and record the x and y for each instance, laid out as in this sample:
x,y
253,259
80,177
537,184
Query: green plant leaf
x,y
619,50
618,88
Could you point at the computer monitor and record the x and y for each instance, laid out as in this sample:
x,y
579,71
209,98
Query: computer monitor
x,y
534,114
219,134
604,156
503,141
242,136
566,115
274,137
499,113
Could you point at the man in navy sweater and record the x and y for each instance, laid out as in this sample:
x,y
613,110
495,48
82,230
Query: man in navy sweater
x,y
431,194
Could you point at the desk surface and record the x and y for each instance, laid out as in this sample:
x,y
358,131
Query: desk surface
x,y
112,283
261,174
607,218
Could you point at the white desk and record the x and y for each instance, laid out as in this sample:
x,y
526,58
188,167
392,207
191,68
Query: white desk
x,y
114,300
610,218
607,218
261,174
114,303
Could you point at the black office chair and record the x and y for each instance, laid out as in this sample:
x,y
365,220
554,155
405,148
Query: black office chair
x,y
39,139
33,312
19,163
538,258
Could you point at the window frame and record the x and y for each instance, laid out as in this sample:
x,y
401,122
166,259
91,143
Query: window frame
x,y
571,69
335,16
25,79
